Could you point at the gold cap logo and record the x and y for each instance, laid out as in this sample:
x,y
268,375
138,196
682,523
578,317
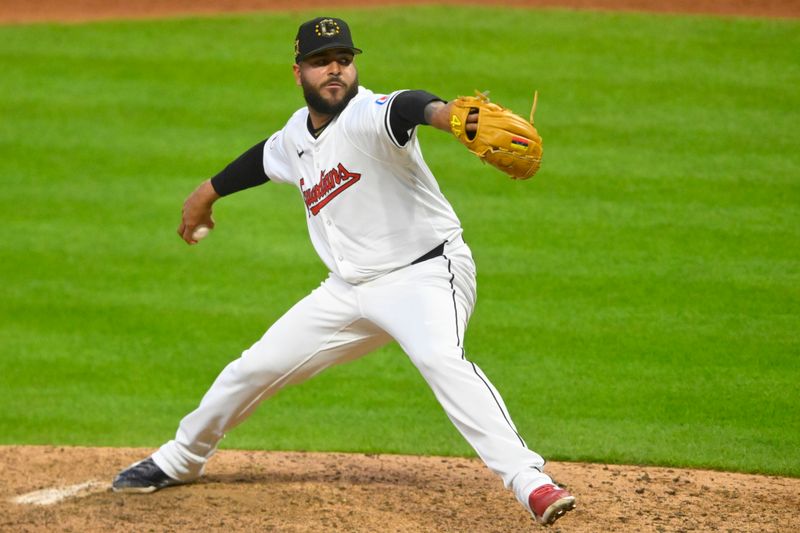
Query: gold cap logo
x,y
327,28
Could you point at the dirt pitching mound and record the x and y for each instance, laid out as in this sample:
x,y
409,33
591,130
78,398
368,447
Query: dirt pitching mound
x,y
68,489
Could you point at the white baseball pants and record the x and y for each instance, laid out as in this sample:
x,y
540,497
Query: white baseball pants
x,y
425,307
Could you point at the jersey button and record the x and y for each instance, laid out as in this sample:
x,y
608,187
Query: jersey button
x,y
328,222
341,258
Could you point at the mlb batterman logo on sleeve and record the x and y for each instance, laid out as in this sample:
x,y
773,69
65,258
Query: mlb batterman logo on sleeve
x,y
320,34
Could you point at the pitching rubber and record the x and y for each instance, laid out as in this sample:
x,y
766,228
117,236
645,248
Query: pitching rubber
x,y
135,490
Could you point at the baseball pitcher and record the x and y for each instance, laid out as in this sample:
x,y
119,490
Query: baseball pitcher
x,y
399,267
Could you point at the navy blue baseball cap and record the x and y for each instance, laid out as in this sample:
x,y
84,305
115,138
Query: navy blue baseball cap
x,y
320,34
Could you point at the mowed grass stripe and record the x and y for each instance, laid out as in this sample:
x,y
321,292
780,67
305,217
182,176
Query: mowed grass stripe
x,y
638,299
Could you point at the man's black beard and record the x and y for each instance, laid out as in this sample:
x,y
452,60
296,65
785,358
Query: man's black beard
x,y
318,104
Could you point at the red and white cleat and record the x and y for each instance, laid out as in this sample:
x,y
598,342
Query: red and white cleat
x,y
549,503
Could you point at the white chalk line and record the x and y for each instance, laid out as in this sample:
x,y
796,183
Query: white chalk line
x,y
55,495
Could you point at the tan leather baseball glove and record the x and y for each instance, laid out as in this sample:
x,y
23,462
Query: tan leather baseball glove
x,y
503,139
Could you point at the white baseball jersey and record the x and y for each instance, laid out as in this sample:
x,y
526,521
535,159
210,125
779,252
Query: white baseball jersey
x,y
372,205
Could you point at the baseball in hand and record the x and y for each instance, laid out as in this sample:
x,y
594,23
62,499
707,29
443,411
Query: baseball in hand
x,y
201,232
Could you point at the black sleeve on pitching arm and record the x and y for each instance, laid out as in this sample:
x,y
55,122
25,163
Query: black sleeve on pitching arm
x,y
245,172
408,111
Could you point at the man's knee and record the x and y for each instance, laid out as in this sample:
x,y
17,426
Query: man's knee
x,y
437,360
258,367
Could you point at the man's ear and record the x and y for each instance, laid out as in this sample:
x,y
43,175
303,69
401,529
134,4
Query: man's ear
x,y
296,69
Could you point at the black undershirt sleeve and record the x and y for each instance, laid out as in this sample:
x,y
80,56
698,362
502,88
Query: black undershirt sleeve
x,y
408,111
244,172
247,170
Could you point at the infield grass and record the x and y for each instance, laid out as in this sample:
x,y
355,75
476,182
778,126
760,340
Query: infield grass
x,y
639,300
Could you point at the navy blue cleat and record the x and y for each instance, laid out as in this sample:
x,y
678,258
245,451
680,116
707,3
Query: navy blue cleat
x,y
142,477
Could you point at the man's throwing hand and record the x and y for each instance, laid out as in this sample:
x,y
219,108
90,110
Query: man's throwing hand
x,y
196,213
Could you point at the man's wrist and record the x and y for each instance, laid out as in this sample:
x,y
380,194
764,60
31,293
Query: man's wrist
x,y
437,114
206,194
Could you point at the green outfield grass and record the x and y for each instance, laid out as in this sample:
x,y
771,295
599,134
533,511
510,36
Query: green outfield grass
x,y
639,301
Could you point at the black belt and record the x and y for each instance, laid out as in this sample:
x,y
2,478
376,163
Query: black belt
x,y
436,252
